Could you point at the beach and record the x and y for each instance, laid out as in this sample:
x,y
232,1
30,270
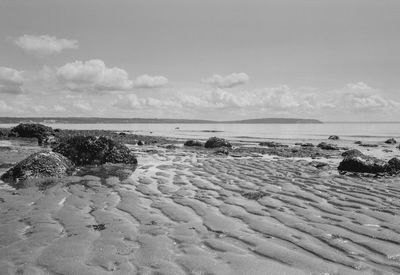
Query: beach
x,y
197,211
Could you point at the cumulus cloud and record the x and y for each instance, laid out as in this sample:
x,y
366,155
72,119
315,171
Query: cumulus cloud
x,y
11,81
4,107
82,105
228,81
44,44
147,81
92,75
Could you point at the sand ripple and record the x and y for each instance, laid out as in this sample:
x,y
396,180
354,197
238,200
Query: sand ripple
x,y
188,213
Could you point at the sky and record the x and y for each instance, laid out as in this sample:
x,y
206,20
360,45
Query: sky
x,y
333,60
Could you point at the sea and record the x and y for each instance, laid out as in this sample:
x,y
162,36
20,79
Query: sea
x,y
365,132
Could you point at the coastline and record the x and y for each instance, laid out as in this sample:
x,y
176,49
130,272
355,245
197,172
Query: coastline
x,y
187,210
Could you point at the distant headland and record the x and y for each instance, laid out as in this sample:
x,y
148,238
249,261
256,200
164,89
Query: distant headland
x,y
99,120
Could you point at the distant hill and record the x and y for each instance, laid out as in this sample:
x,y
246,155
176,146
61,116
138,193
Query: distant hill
x,y
98,120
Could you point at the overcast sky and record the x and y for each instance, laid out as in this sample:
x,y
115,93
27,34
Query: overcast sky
x,y
210,59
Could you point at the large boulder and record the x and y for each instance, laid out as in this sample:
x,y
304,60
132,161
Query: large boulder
x,y
194,142
39,165
91,150
327,146
333,137
31,130
361,163
215,142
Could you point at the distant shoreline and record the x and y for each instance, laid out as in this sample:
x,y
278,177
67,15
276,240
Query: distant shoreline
x,y
99,120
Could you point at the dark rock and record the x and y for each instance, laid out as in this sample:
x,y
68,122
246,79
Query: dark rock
x,y
391,141
31,130
368,145
122,134
352,153
39,165
140,143
307,145
254,195
327,146
171,146
334,137
363,164
272,144
215,142
192,142
394,165
87,150
358,142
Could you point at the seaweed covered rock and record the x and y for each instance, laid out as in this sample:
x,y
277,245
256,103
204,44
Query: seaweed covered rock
x,y
193,142
352,153
31,130
39,165
361,163
88,150
391,141
327,146
215,142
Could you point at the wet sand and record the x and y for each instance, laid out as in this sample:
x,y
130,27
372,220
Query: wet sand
x,y
194,212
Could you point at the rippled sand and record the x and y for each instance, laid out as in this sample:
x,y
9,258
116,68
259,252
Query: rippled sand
x,y
185,212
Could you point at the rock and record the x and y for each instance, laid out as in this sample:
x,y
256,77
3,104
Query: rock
x,y
307,145
140,143
171,146
394,165
368,145
272,144
88,150
327,146
363,164
192,142
39,165
334,137
352,153
391,141
31,130
215,142
254,195
358,142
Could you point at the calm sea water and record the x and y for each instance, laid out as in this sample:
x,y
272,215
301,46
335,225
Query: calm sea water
x,y
253,132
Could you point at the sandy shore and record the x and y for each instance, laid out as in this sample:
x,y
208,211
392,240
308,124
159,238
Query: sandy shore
x,y
186,211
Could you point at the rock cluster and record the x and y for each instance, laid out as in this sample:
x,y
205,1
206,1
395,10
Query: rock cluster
x,y
87,150
355,161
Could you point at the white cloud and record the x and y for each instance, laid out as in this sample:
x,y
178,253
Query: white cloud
x,y
128,102
4,107
92,75
82,105
147,81
44,44
228,81
11,81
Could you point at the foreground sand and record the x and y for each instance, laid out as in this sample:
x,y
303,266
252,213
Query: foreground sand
x,y
189,212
